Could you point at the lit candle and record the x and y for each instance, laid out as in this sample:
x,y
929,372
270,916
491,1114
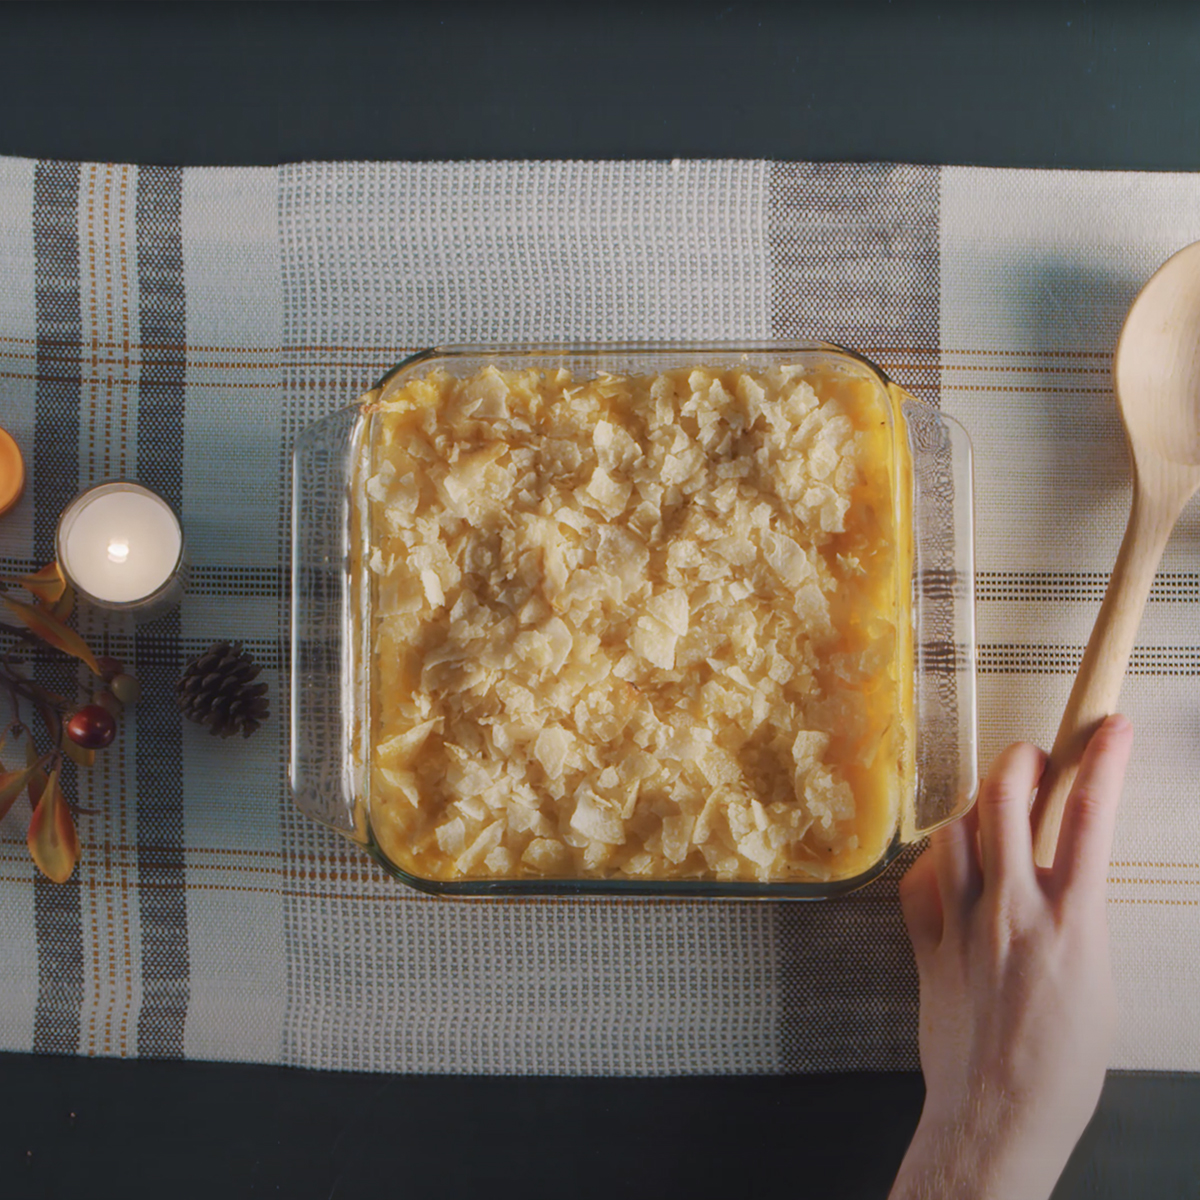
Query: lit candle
x,y
122,547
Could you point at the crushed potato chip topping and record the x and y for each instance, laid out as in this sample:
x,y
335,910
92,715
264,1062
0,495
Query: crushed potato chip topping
x,y
636,627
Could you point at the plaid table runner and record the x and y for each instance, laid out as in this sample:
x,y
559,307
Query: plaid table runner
x,y
181,326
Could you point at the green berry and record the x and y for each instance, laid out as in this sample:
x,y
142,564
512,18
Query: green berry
x,y
110,668
126,688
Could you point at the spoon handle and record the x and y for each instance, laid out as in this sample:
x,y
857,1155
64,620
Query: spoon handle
x,y
1098,683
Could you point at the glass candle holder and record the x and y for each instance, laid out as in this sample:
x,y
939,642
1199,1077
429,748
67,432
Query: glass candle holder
x,y
121,547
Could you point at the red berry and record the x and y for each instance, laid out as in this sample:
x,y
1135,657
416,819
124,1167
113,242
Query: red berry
x,y
109,667
107,699
92,727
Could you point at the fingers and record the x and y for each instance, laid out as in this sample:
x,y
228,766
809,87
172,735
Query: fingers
x,y
1090,817
1005,838
921,906
956,864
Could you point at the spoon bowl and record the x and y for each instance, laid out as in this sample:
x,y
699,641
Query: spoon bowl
x,y
1156,368
1156,375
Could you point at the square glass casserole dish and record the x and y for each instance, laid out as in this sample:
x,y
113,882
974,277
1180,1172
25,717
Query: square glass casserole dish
x,y
337,717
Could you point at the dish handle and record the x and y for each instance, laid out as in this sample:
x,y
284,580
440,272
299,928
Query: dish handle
x,y
328,710
943,613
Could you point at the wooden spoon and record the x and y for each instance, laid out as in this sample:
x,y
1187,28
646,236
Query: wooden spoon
x,y
1156,374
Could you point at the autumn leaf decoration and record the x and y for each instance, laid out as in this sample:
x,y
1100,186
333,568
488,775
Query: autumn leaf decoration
x,y
74,732
47,585
53,842
12,783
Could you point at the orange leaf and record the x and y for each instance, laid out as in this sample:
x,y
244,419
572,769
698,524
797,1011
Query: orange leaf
x,y
11,783
76,753
53,842
53,632
37,777
64,606
51,720
47,584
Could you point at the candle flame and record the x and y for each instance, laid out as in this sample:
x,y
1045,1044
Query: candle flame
x,y
118,552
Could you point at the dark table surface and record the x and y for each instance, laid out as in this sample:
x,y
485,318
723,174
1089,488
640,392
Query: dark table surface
x,y
1041,85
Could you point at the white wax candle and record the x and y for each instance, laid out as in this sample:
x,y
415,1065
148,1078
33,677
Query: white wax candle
x,y
119,543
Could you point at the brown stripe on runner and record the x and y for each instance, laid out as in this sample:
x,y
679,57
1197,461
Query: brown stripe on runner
x,y
1068,587
1036,587
1029,659
855,259
162,896
55,481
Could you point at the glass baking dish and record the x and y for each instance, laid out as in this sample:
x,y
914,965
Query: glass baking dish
x,y
330,761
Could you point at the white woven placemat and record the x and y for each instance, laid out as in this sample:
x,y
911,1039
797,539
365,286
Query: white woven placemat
x,y
183,325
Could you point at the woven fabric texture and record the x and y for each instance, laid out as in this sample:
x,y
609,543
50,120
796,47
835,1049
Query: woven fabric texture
x,y
181,326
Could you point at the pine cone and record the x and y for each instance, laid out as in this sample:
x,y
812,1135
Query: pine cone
x,y
218,690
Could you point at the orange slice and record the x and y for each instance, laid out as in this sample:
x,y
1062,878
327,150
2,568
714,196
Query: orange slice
x,y
12,472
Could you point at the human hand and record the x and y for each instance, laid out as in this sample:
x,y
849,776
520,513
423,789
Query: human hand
x,y
1018,1010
